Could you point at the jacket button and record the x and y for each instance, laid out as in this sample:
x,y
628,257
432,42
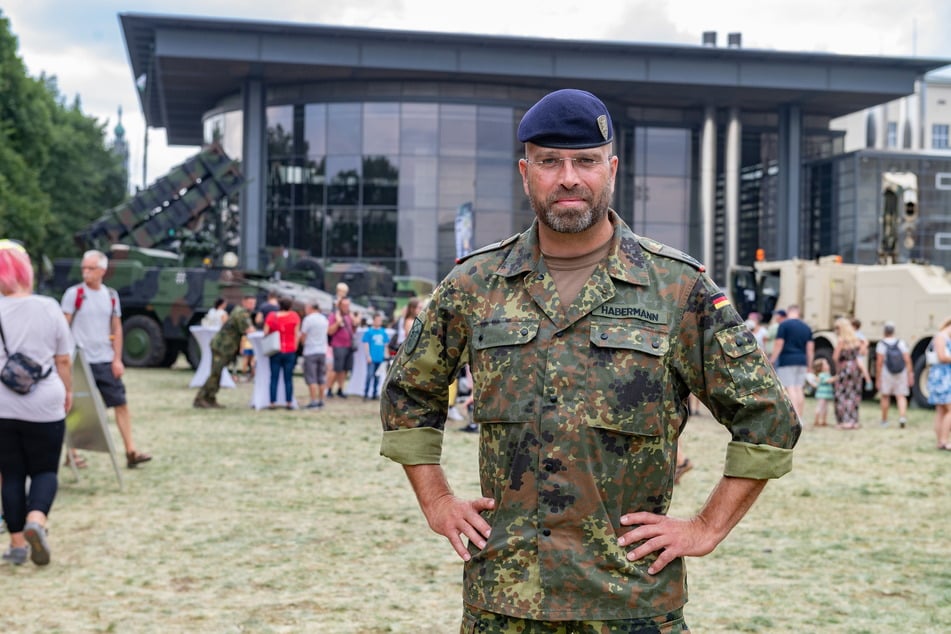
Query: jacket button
x,y
553,398
547,532
655,343
524,331
604,336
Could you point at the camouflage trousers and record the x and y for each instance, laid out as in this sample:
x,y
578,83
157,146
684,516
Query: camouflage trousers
x,y
219,361
475,621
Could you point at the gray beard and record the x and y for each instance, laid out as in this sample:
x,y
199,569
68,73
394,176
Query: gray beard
x,y
571,221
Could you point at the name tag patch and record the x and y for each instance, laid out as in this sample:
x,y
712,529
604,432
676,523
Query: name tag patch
x,y
625,311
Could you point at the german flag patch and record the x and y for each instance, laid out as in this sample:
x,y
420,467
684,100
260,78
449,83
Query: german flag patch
x,y
719,300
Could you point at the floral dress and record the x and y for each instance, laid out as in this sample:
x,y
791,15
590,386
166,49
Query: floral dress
x,y
939,382
848,387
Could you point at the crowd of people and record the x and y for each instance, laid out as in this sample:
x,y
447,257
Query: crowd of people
x,y
326,344
840,381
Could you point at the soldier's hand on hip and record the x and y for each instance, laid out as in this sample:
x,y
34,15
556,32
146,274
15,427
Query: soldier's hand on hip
x,y
454,518
669,536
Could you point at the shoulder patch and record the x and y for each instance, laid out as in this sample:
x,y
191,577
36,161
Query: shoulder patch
x,y
489,247
658,248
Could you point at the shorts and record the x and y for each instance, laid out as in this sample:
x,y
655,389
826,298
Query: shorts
x,y
792,375
893,384
343,359
476,621
111,388
315,368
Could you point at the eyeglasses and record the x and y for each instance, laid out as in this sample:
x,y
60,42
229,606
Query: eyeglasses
x,y
11,244
581,163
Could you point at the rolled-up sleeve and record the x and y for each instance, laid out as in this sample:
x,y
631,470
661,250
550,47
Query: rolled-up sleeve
x,y
758,462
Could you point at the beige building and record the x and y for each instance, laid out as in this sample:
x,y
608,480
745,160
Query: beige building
x,y
917,122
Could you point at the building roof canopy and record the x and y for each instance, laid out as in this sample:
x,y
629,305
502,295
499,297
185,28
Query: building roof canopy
x,y
185,66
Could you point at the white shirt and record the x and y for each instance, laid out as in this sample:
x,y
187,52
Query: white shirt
x,y
314,327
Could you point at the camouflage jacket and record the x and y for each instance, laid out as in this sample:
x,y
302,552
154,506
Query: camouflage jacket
x,y
227,341
580,410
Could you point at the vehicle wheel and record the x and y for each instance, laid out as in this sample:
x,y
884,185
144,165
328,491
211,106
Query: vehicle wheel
x,y
312,269
192,352
919,391
143,344
171,355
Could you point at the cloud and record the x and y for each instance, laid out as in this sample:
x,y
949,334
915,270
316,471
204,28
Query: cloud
x,y
82,45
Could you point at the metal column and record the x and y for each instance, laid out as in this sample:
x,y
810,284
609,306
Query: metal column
x,y
731,178
708,183
253,165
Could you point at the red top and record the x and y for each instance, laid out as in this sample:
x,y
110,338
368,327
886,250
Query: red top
x,y
286,324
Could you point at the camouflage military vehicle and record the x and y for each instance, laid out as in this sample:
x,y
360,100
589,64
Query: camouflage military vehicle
x,y
163,293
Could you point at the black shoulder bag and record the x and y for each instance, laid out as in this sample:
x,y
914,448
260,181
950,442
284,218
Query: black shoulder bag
x,y
20,373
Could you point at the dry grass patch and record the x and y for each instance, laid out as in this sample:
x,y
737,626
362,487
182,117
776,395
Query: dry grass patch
x,y
278,521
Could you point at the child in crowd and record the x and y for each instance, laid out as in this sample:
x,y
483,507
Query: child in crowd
x,y
375,340
822,380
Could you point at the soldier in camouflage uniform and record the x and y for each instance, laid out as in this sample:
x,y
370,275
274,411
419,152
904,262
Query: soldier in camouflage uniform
x,y
584,341
225,345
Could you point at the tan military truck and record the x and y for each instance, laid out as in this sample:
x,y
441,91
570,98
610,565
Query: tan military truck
x,y
915,297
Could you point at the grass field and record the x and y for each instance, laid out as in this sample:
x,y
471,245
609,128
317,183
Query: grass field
x,y
279,521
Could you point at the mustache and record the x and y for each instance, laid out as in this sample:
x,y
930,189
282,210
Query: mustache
x,y
577,191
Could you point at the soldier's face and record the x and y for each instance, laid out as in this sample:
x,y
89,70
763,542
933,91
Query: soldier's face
x,y
569,198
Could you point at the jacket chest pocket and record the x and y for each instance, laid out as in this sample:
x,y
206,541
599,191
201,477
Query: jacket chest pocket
x,y
627,376
504,370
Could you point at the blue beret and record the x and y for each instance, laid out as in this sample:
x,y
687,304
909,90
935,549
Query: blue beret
x,y
570,119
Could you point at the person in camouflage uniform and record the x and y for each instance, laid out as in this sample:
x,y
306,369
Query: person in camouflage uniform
x,y
225,346
584,341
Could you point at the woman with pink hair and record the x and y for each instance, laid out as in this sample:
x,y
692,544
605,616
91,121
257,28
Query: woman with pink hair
x,y
32,425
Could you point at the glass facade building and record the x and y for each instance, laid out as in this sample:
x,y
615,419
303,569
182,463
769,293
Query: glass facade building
x,y
411,184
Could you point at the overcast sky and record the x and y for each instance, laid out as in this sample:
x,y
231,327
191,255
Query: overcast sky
x,y
82,45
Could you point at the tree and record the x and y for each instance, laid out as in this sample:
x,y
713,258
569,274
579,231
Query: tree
x,y
56,173
25,130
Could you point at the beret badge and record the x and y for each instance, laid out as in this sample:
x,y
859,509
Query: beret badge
x,y
603,126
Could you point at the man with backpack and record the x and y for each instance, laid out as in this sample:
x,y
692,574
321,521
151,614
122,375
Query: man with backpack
x,y
93,312
893,373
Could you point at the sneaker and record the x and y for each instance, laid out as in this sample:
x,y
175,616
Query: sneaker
x,y
884,423
35,536
330,394
314,404
471,428
902,422
454,414
16,556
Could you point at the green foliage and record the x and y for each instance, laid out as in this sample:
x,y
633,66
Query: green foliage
x,y
56,173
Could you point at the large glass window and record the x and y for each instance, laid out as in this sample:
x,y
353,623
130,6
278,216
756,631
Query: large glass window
x,y
661,188
344,131
939,136
381,128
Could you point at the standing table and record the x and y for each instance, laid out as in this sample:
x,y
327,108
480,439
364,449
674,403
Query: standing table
x,y
203,336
